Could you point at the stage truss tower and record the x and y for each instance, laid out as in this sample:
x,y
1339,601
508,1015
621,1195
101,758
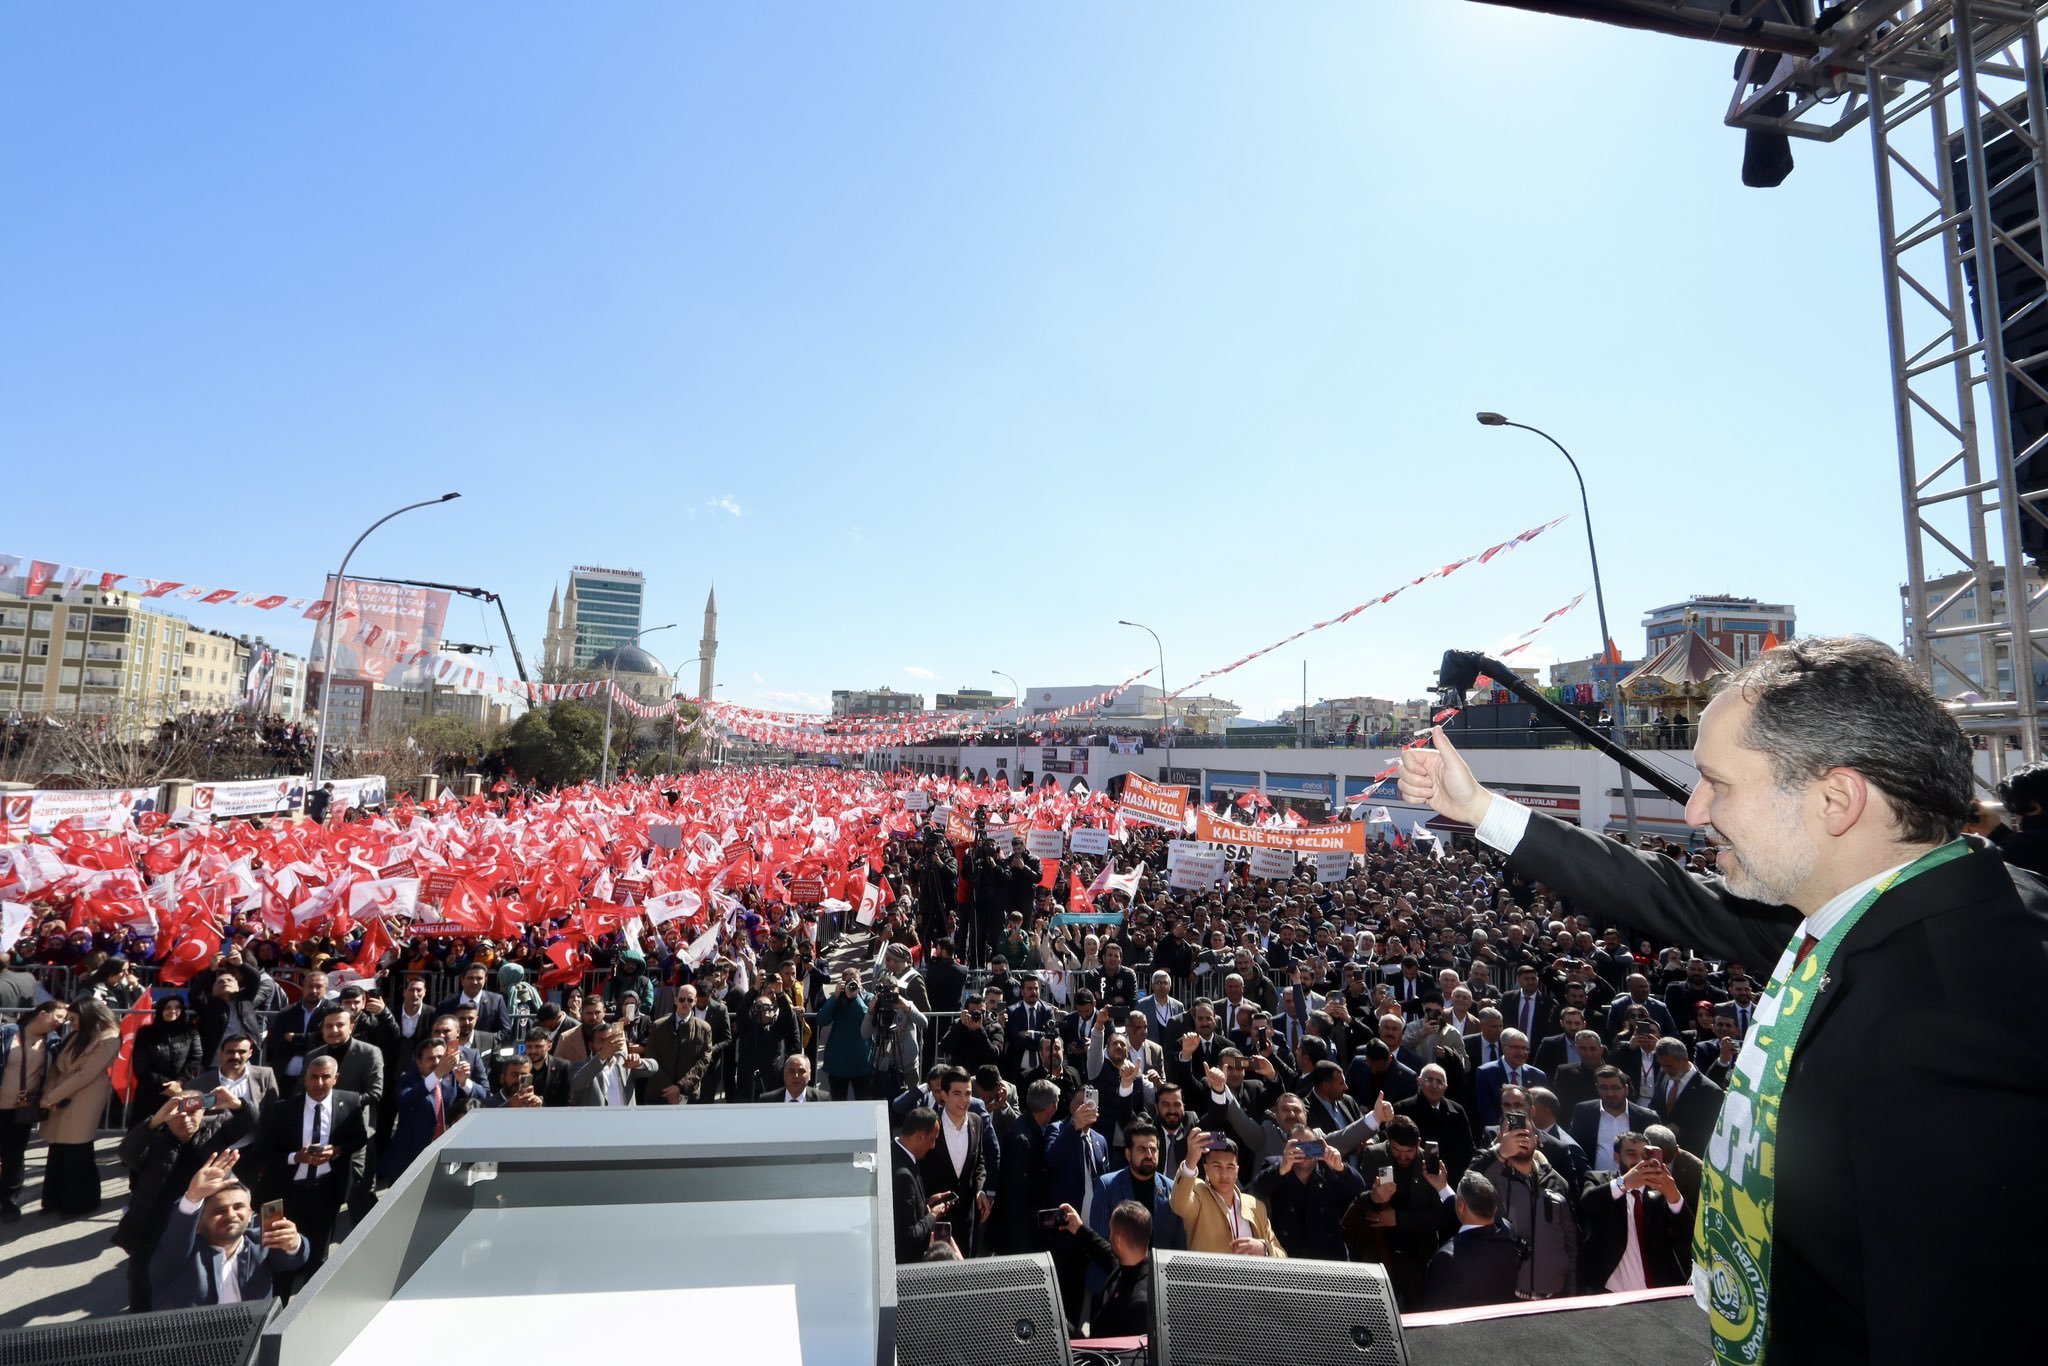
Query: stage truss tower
x,y
1921,75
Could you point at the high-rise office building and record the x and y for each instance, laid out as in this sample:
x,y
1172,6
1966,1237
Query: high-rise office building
x,y
600,611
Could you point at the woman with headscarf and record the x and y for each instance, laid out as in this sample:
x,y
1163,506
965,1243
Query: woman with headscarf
x,y
167,1055
73,1104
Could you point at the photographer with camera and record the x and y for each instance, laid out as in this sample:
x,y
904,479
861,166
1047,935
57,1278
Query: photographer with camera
x,y
1536,1202
975,1038
894,1029
843,1047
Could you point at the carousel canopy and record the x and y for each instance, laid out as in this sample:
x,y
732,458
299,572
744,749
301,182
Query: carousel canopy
x,y
1688,669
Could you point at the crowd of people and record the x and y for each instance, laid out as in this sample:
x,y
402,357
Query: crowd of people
x,y
1354,1070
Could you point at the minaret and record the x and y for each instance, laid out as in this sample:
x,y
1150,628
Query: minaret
x,y
551,643
569,628
708,647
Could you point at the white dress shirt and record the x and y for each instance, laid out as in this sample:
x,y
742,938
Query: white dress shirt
x,y
1628,1272
244,1090
956,1137
227,1281
614,1084
1611,1128
325,1109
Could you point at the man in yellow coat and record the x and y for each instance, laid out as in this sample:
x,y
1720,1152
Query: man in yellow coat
x,y
1217,1215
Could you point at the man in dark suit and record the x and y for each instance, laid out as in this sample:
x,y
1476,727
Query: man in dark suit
x,y
796,1088
550,1074
1513,1069
1684,1098
964,1161
205,1256
1596,1124
1075,1155
1638,994
1819,826
1529,1008
1020,1175
1482,1259
314,1148
1195,1049
1376,1072
1716,1056
1329,1107
1682,999
293,1032
1440,1120
492,1016
432,1095
1029,1023
1636,1224
1573,1082
682,1048
1562,1048
945,980
360,1068
915,1211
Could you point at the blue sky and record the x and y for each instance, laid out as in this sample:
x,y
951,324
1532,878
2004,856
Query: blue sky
x,y
939,337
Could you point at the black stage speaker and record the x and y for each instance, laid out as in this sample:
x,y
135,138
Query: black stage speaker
x,y
219,1335
1215,1310
994,1311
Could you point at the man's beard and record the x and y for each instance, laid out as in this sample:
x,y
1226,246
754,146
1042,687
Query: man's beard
x,y
1770,875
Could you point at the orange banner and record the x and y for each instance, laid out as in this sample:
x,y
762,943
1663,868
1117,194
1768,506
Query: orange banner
x,y
1314,839
1155,803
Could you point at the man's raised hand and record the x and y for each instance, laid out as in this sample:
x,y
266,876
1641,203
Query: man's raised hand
x,y
1438,777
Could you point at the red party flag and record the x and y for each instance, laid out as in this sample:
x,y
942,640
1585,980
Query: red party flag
x,y
122,1073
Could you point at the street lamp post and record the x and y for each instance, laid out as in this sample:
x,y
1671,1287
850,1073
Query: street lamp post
x,y
333,612
675,732
1164,705
604,770
1615,728
1017,694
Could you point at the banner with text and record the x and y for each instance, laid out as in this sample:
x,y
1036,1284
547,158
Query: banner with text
x,y
1154,803
263,797
1197,870
1300,839
1272,863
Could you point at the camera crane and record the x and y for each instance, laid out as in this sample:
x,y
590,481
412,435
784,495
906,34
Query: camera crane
x,y
482,595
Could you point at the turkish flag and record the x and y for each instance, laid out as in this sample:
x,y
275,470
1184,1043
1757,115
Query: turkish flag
x,y
567,956
196,941
1049,876
122,1073
376,943
1078,900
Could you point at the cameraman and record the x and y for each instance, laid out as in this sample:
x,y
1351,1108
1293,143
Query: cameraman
x,y
843,1049
894,1028
976,1037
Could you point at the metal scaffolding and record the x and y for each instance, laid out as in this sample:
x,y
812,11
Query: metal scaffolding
x,y
1923,75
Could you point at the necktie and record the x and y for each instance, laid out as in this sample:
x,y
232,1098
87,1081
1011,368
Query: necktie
x,y
316,1123
440,1114
1635,1204
1805,947
1529,1015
